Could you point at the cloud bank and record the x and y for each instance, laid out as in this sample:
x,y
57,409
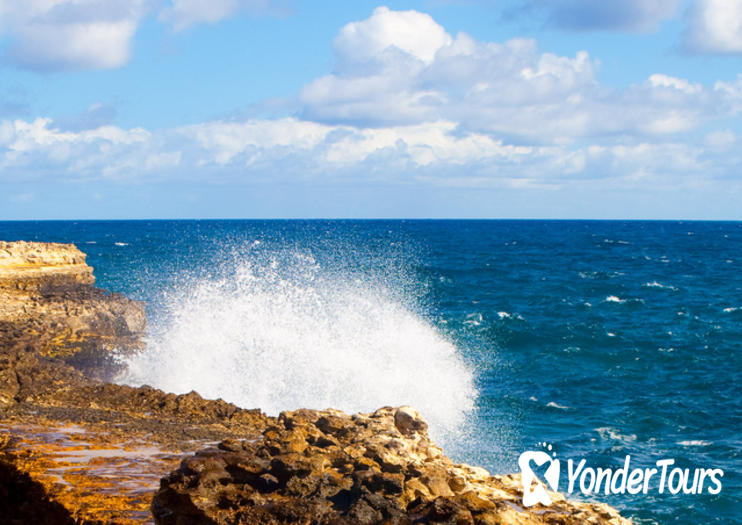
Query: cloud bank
x,y
408,102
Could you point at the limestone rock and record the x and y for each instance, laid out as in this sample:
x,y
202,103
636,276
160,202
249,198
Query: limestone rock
x,y
47,295
325,467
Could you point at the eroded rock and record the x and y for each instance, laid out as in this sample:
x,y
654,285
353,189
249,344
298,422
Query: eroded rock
x,y
326,467
48,301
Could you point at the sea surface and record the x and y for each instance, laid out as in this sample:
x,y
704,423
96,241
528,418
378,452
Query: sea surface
x,y
601,338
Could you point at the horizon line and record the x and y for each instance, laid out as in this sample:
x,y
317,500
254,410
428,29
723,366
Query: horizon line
x,y
224,219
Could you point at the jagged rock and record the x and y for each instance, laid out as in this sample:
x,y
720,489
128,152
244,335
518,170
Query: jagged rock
x,y
325,467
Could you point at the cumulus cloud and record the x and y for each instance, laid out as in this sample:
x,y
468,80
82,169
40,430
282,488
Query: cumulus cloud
x,y
185,13
69,34
586,15
715,26
402,68
412,32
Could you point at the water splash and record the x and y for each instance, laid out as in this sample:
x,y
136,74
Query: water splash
x,y
285,332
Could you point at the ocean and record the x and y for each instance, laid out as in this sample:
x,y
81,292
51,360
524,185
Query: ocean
x,y
601,338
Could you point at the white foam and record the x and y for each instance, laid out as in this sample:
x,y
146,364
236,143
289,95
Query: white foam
x,y
694,443
473,319
614,299
555,405
731,309
504,315
613,434
286,333
655,284
121,244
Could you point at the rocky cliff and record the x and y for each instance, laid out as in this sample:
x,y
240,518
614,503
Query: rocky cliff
x,y
47,297
75,449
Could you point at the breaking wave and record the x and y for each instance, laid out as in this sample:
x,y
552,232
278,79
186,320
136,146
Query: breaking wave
x,y
285,332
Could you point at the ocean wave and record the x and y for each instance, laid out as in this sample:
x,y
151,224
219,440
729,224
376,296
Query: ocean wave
x,y
609,433
731,309
473,319
694,443
614,299
121,243
655,284
285,333
552,404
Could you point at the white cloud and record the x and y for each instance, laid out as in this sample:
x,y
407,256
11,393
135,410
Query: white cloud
x,y
409,102
402,68
715,26
660,80
412,32
292,150
721,140
70,34
185,13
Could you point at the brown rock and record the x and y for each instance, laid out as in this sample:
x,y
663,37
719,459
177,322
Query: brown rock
x,y
374,468
47,297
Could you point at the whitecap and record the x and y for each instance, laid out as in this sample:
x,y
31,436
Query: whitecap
x,y
121,243
612,433
731,309
473,319
695,443
614,299
504,315
556,405
655,284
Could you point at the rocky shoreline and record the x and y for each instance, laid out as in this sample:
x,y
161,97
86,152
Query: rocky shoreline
x,y
75,448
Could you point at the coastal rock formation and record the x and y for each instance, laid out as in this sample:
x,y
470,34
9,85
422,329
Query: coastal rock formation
x,y
47,297
325,467
76,449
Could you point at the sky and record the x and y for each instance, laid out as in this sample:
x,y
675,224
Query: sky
x,y
629,109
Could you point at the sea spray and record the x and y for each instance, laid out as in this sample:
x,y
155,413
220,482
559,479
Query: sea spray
x,y
285,332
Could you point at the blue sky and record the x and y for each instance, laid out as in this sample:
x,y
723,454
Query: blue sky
x,y
440,108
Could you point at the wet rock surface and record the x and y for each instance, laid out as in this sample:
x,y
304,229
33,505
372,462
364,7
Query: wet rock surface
x,y
77,449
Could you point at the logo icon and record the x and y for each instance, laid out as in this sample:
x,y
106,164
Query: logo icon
x,y
538,494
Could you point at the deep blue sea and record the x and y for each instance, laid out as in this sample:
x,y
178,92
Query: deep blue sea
x,y
604,339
